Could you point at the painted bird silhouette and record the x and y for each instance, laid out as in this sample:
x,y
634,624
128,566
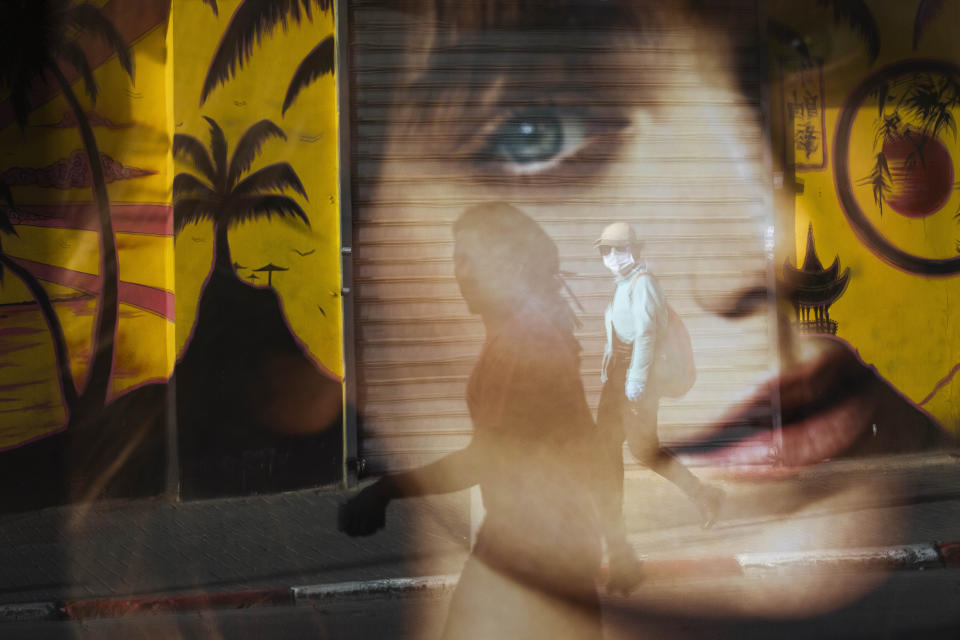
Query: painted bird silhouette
x,y
303,253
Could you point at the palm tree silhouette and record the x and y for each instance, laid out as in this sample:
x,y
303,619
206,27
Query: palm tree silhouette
x,y
927,13
251,22
860,19
931,100
38,37
67,385
880,179
854,13
223,197
922,109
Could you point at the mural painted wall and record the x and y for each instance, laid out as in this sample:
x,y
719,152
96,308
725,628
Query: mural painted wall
x,y
257,260
112,312
87,246
871,112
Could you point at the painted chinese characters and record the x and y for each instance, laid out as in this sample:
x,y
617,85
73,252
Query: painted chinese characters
x,y
804,104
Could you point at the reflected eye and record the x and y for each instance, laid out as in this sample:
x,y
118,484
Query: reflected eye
x,y
537,139
534,138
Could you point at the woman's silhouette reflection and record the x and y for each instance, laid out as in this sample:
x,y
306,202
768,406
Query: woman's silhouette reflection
x,y
534,452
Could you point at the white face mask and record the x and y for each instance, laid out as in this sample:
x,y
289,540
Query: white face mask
x,y
618,261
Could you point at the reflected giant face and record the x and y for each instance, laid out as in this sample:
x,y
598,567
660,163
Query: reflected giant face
x,y
609,123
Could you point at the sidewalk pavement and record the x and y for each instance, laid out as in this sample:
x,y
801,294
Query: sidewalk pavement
x,y
148,547
127,557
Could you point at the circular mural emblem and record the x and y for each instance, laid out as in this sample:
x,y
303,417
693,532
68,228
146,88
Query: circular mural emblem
x,y
895,146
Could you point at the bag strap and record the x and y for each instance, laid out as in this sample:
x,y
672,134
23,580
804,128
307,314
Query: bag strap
x,y
636,279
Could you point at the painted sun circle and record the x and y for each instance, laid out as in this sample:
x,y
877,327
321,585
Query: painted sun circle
x,y
894,167
918,188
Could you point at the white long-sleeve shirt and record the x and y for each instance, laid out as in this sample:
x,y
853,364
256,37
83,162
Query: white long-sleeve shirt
x,y
638,315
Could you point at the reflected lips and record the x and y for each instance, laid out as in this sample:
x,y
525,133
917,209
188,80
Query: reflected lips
x,y
826,404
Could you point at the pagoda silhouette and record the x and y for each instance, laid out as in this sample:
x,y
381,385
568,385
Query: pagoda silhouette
x,y
812,289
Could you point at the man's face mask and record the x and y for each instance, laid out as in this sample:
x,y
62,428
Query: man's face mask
x,y
616,259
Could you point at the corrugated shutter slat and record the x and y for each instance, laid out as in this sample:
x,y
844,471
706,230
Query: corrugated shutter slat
x,y
416,342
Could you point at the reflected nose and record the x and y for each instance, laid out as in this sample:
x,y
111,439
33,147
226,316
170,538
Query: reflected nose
x,y
738,304
737,285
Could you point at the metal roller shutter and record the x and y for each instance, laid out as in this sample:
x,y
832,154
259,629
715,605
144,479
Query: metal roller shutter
x,y
415,341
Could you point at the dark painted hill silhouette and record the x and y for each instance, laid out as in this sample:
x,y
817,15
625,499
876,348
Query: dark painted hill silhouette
x,y
119,454
255,414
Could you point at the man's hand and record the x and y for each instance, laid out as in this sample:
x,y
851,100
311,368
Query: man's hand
x,y
364,514
634,389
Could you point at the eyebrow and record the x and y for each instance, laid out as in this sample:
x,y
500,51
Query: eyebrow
x,y
477,44
535,26
577,15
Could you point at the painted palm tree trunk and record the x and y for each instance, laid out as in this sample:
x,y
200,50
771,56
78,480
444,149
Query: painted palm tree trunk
x,y
94,393
221,249
67,385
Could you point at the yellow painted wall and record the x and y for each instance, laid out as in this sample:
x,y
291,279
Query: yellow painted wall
x,y
903,323
171,60
144,349
310,125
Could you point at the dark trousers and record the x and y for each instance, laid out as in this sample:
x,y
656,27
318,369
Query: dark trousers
x,y
619,419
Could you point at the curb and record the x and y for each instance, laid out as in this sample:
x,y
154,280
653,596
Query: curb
x,y
387,586
917,557
912,556
120,607
29,611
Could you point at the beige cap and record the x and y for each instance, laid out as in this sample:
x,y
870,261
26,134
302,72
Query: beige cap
x,y
618,234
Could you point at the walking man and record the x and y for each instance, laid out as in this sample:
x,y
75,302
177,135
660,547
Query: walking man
x,y
636,321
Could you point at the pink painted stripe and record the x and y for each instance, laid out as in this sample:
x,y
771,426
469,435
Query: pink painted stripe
x,y
119,607
940,385
950,554
159,301
153,219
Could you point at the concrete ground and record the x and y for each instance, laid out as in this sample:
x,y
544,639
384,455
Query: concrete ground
x,y
142,548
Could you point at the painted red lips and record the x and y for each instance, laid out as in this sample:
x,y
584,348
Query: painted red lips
x,y
832,406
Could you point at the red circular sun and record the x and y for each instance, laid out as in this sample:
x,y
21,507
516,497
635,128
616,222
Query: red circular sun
x,y
921,172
